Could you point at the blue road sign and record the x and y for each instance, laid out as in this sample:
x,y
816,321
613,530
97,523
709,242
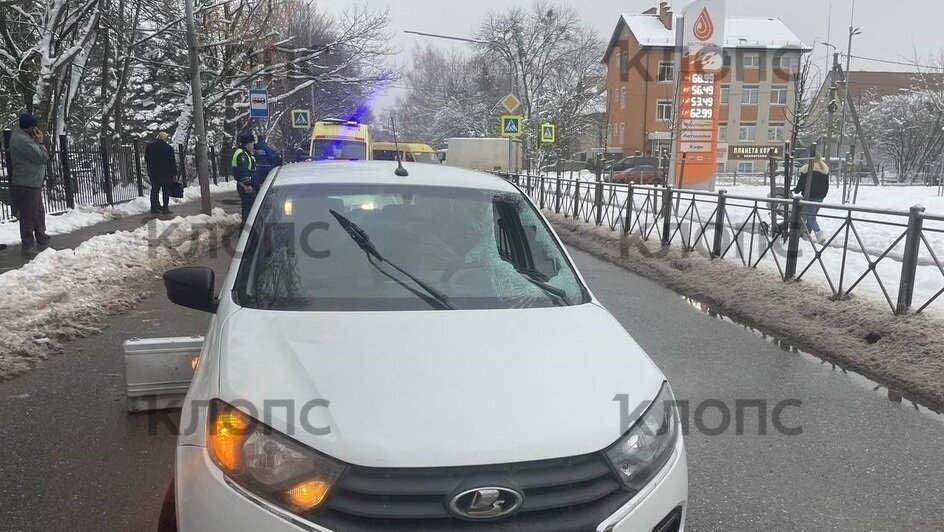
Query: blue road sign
x,y
258,103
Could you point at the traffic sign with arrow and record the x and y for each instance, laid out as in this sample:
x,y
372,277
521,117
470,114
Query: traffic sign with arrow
x,y
511,126
548,133
301,119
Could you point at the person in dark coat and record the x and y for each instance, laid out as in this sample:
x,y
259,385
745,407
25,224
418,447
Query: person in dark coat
x,y
162,171
817,191
29,156
267,158
244,172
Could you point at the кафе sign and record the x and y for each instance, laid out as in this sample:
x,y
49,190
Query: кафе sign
x,y
747,153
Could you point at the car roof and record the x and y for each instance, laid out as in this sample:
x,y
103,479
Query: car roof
x,y
382,173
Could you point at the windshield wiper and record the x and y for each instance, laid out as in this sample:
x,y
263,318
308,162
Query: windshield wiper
x,y
538,279
433,297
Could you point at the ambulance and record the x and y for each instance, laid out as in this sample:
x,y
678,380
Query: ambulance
x,y
334,139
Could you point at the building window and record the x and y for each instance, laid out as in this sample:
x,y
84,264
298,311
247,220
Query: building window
x,y
664,110
777,133
746,167
622,98
624,63
666,72
748,133
726,59
783,61
622,134
725,95
778,95
752,60
723,133
749,94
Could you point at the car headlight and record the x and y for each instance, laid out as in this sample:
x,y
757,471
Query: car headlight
x,y
646,448
268,463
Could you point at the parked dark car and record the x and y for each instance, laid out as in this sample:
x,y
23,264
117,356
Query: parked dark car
x,y
640,175
632,162
622,165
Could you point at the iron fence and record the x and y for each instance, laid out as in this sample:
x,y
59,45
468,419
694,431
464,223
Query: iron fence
x,y
95,175
895,256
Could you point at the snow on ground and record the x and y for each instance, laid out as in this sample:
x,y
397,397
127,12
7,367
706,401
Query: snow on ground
x,y
899,198
875,235
85,216
65,294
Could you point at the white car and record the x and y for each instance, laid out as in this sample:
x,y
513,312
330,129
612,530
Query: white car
x,y
416,353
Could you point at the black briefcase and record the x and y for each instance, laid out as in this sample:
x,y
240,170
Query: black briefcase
x,y
176,190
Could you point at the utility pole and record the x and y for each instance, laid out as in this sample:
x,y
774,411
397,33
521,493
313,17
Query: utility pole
x,y
196,86
832,107
853,31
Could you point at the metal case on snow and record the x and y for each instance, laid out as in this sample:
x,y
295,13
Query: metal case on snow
x,y
158,371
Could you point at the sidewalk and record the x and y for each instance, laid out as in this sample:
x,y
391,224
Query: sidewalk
x,y
11,259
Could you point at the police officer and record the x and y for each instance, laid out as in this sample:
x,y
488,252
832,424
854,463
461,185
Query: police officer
x,y
267,158
244,171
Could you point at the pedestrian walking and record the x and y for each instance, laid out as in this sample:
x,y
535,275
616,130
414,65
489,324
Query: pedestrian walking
x,y
28,155
816,191
244,171
162,172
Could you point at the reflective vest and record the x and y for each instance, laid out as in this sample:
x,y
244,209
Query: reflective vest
x,y
235,162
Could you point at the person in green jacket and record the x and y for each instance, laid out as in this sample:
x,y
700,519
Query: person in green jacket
x,y
29,156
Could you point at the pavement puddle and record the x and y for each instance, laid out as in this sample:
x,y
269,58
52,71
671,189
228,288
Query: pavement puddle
x,y
873,386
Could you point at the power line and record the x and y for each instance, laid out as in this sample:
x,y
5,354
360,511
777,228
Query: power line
x,y
892,62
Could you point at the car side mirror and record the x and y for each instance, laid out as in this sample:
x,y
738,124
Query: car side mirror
x,y
192,287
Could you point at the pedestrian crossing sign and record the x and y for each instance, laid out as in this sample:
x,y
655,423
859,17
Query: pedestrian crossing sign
x,y
301,119
548,133
511,126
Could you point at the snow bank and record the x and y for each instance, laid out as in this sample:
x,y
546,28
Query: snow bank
x,y
65,294
85,216
907,356
899,198
874,236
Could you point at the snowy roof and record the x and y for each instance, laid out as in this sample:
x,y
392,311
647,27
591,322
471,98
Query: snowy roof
x,y
739,32
759,32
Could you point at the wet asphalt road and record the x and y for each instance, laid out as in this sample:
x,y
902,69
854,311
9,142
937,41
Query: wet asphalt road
x,y
72,459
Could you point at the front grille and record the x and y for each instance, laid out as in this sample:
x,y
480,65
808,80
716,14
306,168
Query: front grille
x,y
570,494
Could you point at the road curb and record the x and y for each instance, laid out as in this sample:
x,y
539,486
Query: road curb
x,y
906,356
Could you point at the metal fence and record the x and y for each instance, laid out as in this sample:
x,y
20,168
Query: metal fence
x,y
95,175
894,256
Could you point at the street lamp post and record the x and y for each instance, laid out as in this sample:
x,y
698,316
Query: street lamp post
x,y
853,31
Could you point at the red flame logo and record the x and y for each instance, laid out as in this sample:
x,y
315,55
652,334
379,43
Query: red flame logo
x,y
704,27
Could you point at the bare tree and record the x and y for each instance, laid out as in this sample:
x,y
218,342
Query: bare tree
x,y
809,113
540,45
907,129
451,94
44,48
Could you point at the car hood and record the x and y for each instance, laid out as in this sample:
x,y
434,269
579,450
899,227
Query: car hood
x,y
438,388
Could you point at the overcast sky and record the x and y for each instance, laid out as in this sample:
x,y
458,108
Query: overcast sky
x,y
891,29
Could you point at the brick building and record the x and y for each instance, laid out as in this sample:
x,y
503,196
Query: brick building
x,y
761,54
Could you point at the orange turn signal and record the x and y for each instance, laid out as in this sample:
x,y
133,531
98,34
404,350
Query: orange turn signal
x,y
308,495
229,430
